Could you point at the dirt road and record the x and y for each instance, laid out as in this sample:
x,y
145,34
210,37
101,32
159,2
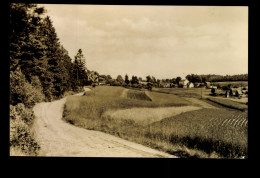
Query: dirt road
x,y
58,138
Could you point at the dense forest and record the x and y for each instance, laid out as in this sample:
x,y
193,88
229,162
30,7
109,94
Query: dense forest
x,y
37,59
40,70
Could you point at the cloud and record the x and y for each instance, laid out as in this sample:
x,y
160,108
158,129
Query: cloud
x,y
162,40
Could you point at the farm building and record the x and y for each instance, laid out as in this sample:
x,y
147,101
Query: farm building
x,y
92,76
239,93
185,84
235,92
208,84
164,84
232,92
101,83
198,84
190,85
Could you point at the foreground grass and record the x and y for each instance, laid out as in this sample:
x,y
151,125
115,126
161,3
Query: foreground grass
x,y
200,131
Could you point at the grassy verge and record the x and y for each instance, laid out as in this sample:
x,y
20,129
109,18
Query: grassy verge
x,y
229,103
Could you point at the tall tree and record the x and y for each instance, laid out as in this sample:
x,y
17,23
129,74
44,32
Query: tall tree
x,y
127,79
178,79
148,78
134,80
79,70
120,80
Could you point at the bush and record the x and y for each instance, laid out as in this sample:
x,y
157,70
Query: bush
x,y
20,133
213,91
24,113
225,88
115,83
21,91
137,85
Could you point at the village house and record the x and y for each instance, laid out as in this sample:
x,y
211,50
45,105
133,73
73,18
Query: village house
x,y
208,84
92,76
190,85
185,84
164,84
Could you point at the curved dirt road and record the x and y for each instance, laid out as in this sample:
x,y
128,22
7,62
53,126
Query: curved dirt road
x,y
58,138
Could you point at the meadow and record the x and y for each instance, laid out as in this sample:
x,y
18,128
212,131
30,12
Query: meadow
x,y
229,103
185,92
199,133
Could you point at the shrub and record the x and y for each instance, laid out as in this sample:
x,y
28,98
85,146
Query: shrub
x,y
36,83
225,88
20,133
25,114
115,83
213,91
137,85
21,91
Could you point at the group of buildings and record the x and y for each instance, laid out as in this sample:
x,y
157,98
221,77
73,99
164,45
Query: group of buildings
x,y
185,84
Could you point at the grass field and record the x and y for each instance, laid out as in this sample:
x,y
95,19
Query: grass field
x,y
185,92
229,103
198,133
139,95
92,107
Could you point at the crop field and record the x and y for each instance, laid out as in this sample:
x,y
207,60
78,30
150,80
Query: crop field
x,y
166,122
222,131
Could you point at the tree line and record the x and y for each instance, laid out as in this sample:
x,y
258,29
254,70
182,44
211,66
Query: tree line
x,y
40,67
194,78
40,70
138,82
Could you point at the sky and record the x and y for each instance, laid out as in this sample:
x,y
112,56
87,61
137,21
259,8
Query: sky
x,y
161,41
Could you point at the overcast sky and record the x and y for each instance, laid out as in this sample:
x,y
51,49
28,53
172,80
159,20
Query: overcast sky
x,y
162,41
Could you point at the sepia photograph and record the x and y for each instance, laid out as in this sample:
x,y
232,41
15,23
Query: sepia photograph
x,y
128,81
